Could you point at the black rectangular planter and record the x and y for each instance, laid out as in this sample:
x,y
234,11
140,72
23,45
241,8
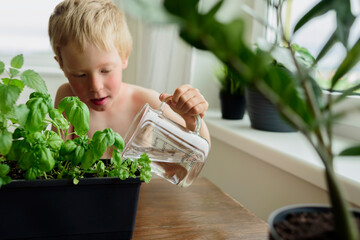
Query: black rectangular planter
x,y
96,208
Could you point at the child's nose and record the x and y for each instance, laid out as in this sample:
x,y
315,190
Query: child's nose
x,y
96,83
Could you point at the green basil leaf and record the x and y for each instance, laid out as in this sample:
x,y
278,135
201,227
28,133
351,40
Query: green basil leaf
x,y
2,67
31,174
46,160
21,113
100,167
98,148
119,142
26,160
16,150
68,147
14,82
123,174
78,155
54,140
9,96
116,158
4,170
38,110
88,160
17,61
5,141
77,112
13,72
105,137
34,81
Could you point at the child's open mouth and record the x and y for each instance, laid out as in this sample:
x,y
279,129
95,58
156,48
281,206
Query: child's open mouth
x,y
99,101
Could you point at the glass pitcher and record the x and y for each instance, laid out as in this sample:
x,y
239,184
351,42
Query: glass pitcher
x,y
176,153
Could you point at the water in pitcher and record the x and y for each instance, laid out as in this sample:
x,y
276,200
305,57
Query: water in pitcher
x,y
170,159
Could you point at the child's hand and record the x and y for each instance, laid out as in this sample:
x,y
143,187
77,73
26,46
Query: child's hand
x,y
188,102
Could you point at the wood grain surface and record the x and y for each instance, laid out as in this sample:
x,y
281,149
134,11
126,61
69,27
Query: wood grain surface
x,y
201,211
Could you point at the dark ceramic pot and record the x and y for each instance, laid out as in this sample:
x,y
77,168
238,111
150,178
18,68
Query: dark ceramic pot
x,y
232,106
283,213
96,208
263,114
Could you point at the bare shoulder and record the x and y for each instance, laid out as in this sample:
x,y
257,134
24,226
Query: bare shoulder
x,y
63,91
141,95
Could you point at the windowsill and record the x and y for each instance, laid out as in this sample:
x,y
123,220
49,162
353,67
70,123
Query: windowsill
x,y
290,152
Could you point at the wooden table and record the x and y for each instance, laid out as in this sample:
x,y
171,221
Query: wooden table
x,y
201,211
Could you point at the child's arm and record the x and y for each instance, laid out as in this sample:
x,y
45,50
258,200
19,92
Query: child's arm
x,y
188,102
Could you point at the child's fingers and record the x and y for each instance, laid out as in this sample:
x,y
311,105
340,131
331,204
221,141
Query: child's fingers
x,y
179,92
164,97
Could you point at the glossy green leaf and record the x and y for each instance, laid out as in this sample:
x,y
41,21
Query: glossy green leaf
x,y
319,9
77,112
34,81
351,59
181,8
352,151
328,45
17,61
9,95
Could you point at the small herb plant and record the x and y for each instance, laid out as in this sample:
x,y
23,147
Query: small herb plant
x,y
230,81
30,149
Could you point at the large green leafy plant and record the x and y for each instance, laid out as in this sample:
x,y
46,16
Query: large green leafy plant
x,y
290,85
30,149
296,95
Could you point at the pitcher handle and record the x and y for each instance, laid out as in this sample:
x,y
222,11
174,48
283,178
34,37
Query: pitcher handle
x,y
197,117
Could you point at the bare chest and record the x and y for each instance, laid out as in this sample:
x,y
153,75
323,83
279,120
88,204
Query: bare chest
x,y
118,122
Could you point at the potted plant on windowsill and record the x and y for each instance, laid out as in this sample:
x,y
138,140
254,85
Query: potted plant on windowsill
x,y
232,93
297,97
52,188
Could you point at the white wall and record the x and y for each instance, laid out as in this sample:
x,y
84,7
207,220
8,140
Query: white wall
x,y
258,186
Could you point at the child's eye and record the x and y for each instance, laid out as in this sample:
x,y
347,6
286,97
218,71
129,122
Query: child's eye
x,y
79,75
105,71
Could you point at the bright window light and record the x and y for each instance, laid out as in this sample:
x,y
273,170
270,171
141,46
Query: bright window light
x,y
23,25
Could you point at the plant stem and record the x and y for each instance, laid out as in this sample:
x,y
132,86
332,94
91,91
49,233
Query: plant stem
x,y
345,225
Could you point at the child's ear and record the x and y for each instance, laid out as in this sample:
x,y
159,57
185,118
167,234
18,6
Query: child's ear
x,y
125,63
59,62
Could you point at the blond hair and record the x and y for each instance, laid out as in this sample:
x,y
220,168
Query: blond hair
x,y
98,22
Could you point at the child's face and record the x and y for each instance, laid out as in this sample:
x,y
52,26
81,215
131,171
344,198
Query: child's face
x,y
94,75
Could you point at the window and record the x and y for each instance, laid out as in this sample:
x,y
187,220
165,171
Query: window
x,y
314,35
23,27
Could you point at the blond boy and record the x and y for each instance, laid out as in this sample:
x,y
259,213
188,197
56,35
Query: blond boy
x,y
92,44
